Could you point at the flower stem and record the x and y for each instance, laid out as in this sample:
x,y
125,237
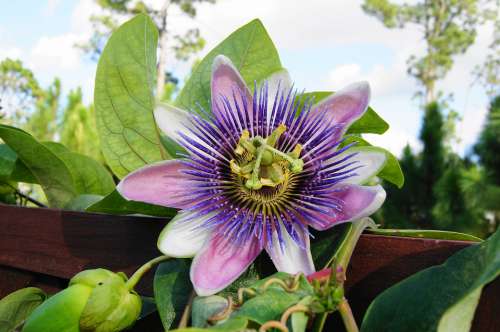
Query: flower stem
x,y
319,322
136,277
347,317
187,312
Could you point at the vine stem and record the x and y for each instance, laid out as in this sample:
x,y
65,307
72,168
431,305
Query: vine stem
x,y
187,311
347,317
319,322
26,197
136,277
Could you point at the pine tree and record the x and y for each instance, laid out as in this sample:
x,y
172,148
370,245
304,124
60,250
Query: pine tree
x,y
488,146
431,167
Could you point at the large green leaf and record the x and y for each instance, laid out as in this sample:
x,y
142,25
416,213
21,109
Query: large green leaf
x,y
89,176
442,298
392,170
428,234
124,99
250,49
172,288
114,203
17,306
50,171
370,122
62,174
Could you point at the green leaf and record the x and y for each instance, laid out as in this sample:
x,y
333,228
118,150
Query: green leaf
x,y
205,307
22,173
89,176
236,324
337,243
17,306
172,289
370,122
252,52
7,162
247,279
82,202
124,99
148,307
392,170
325,244
50,171
427,234
62,174
269,305
114,203
442,298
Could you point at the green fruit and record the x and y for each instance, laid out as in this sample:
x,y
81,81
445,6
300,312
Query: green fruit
x,y
60,312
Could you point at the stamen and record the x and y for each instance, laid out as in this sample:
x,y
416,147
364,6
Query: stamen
x,y
261,163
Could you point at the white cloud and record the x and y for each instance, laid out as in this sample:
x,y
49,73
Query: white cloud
x,y
51,7
56,53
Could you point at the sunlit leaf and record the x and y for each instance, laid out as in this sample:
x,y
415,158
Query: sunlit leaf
x,y
124,98
252,52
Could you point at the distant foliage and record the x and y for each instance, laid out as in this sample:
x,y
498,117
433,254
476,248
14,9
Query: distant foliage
x,y
448,27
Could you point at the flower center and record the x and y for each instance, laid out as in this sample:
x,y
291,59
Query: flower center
x,y
259,164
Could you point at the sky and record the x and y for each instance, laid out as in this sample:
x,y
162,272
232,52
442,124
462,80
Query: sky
x,y
324,44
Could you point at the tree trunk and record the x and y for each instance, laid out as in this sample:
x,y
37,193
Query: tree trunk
x,y
162,60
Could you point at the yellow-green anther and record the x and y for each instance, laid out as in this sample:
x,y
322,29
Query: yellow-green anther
x,y
275,135
296,151
234,167
247,145
297,166
247,169
268,182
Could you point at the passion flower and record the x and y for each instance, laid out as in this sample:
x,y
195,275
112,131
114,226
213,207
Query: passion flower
x,y
260,169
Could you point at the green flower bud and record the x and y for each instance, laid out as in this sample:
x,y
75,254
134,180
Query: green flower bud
x,y
95,301
111,306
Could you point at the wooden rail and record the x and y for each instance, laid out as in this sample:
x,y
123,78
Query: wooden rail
x,y
46,247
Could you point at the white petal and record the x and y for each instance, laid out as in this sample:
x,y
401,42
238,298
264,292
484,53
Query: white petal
x,y
182,237
172,121
292,259
371,160
279,81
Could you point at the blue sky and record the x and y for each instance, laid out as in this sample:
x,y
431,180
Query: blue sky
x,y
324,44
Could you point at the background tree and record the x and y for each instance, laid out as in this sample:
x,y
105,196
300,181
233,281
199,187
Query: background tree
x,y
19,92
78,131
183,45
432,159
448,27
488,146
43,122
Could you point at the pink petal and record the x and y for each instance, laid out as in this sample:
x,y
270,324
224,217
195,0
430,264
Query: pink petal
x,y
220,262
161,183
346,105
226,81
355,202
292,258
